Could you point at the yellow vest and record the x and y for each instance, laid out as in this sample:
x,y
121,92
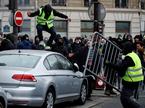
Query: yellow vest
x,y
134,74
42,21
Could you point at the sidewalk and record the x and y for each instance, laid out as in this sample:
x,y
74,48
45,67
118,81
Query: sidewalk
x,y
98,98
114,101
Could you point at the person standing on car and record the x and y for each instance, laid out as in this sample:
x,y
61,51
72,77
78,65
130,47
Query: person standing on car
x,y
45,18
131,73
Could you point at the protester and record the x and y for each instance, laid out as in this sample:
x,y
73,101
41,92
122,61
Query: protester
x,y
24,43
60,47
6,44
36,43
131,73
45,18
140,50
75,47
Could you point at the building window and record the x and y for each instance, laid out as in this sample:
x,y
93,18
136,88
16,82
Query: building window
x,y
61,27
0,25
121,3
86,3
58,2
26,25
86,28
23,2
122,27
142,4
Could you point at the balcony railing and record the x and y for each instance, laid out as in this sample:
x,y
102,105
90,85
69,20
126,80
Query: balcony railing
x,y
121,4
58,2
87,2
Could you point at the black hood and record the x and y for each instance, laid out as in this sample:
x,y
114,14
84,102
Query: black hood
x,y
127,47
47,8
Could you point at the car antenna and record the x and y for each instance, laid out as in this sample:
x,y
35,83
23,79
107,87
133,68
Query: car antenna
x,y
19,51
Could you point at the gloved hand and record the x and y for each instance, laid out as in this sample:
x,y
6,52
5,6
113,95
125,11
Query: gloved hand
x,y
28,13
69,19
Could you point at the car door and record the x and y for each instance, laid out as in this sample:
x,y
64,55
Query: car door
x,y
61,78
74,80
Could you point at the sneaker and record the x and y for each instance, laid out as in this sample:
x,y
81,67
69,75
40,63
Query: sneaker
x,y
107,92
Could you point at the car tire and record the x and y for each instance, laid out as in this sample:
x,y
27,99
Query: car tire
x,y
2,105
49,100
83,94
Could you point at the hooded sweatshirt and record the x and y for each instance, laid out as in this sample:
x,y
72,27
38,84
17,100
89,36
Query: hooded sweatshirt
x,y
47,9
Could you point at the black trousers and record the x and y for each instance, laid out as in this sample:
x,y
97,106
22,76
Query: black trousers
x,y
126,98
111,78
41,28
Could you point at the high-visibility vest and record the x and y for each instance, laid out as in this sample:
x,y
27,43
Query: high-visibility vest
x,y
41,18
134,73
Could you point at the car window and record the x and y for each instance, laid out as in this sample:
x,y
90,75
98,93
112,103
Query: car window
x,y
53,62
66,65
47,66
19,60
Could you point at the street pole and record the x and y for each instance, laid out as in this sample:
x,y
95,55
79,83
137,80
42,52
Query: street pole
x,y
140,16
15,27
96,16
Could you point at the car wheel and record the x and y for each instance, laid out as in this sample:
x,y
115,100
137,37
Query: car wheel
x,y
1,105
49,100
83,94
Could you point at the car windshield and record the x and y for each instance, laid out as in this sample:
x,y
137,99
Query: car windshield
x,y
19,60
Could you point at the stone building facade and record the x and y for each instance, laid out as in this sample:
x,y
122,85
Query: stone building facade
x,y
122,16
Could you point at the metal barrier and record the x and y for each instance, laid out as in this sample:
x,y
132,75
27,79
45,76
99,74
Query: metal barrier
x,y
100,51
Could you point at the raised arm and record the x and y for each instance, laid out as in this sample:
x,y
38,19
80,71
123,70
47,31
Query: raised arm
x,y
33,14
61,15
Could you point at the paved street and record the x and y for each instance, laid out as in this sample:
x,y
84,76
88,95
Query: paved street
x,y
52,50
98,100
115,101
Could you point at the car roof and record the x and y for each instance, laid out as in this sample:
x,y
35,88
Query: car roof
x,y
30,52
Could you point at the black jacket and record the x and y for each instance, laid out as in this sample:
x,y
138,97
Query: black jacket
x,y
48,12
122,67
6,45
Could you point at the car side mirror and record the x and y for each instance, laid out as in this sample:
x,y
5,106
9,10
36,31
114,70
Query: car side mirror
x,y
75,67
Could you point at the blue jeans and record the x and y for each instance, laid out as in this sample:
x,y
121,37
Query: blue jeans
x,y
51,30
126,100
